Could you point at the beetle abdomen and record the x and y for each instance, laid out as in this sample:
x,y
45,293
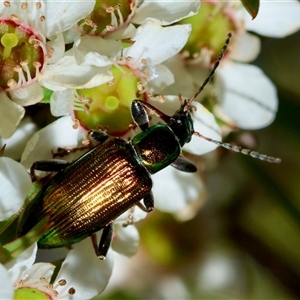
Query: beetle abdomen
x,y
89,194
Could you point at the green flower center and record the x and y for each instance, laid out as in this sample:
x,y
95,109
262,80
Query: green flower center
x,y
110,103
30,294
209,30
106,17
21,54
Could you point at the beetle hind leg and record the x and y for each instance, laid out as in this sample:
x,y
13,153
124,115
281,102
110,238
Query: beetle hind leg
x,y
105,241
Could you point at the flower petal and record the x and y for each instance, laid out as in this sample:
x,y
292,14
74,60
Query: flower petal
x,y
247,47
38,271
83,271
167,12
69,14
10,115
27,95
126,240
173,190
96,51
58,134
165,42
61,103
67,73
204,123
6,286
247,95
17,142
160,77
22,264
15,184
276,18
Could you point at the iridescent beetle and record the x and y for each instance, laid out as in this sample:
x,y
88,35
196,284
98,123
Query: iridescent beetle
x,y
88,194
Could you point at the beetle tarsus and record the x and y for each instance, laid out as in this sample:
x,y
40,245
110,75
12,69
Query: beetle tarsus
x,y
105,241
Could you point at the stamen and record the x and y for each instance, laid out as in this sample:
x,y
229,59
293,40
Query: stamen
x,y
24,65
6,3
8,41
117,8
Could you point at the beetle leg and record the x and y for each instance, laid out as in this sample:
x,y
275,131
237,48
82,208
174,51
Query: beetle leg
x,y
148,203
97,136
67,150
53,165
183,164
105,241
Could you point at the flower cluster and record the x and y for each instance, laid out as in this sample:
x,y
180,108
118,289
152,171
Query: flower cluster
x,y
87,61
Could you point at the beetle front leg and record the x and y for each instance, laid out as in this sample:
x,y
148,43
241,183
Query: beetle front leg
x,y
53,165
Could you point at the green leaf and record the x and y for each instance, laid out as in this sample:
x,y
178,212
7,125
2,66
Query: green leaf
x,y
252,7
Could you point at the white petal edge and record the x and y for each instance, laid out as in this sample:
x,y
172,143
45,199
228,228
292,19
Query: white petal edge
x,y
68,74
246,47
69,14
6,286
165,42
60,133
246,95
167,12
27,95
15,184
204,123
276,18
84,271
18,268
10,115
17,142
126,240
173,190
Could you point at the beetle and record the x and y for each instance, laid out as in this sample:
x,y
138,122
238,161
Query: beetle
x,y
88,194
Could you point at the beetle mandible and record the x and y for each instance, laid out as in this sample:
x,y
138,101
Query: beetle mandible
x,y
88,194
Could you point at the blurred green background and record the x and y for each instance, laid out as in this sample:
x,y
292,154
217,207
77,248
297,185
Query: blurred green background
x,y
245,241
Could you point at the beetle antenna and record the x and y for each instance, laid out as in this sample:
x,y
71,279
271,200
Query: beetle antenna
x,y
211,73
239,149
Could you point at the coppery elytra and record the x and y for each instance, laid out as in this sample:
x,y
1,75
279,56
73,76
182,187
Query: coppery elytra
x,y
88,194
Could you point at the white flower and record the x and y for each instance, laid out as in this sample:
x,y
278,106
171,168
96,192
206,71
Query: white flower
x,y
143,60
246,98
247,95
15,184
23,278
28,25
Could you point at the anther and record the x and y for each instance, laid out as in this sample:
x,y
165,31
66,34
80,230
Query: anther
x,y
72,291
144,61
42,18
62,282
14,17
110,27
6,3
38,5
109,9
24,5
